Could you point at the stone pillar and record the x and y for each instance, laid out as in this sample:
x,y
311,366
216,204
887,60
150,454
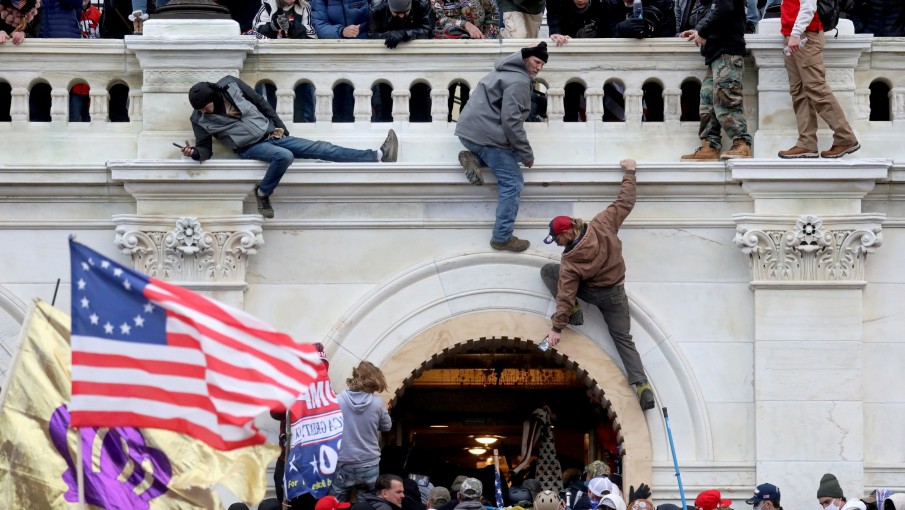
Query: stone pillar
x,y
401,100
776,126
174,54
190,227
439,105
808,243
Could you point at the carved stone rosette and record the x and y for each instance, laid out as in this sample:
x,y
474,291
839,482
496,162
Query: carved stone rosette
x,y
813,250
184,250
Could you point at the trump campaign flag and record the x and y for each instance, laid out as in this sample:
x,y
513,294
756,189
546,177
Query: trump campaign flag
x,y
316,432
124,468
146,353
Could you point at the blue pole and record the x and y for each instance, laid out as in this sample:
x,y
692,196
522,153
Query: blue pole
x,y
675,461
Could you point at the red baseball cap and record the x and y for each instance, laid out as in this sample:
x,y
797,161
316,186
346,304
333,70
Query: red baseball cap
x,y
709,500
330,503
558,225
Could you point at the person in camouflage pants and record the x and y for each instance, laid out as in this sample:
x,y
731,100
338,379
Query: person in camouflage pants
x,y
721,36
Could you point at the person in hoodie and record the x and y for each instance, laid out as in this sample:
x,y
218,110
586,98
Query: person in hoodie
x,y
365,416
492,128
285,19
593,269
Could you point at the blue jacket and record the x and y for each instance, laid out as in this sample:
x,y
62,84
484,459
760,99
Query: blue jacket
x,y
61,19
331,16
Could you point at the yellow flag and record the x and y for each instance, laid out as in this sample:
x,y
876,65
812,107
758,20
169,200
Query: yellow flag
x,y
124,468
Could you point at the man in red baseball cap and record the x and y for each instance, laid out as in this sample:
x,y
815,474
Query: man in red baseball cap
x,y
711,500
592,269
330,503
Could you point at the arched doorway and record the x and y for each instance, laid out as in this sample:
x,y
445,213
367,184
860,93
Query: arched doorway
x,y
471,399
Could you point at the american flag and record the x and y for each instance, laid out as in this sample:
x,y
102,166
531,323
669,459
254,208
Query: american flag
x,y
498,487
146,353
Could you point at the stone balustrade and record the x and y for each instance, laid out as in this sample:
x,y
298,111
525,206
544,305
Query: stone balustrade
x,y
138,103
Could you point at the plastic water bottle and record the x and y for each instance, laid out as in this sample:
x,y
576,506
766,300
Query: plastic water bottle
x,y
637,9
544,345
787,52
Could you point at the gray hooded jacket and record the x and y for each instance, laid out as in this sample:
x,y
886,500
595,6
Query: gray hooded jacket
x,y
364,417
496,111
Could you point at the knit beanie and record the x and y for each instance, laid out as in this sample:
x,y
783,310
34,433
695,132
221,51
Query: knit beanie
x,y
201,94
539,51
829,487
398,6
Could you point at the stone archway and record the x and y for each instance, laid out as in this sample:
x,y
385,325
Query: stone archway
x,y
415,314
596,369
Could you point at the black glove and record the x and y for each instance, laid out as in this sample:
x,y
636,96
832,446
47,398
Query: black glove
x,y
394,38
643,492
633,27
280,22
588,31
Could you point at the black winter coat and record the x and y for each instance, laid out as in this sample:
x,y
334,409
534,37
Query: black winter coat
x,y
883,18
659,15
419,24
566,19
724,28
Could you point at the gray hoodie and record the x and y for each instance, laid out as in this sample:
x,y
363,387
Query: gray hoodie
x,y
496,111
364,417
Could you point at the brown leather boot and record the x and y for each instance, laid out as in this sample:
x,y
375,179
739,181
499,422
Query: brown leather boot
x,y
740,149
513,244
705,152
837,151
797,152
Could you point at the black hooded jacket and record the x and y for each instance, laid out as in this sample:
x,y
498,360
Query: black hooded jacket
x,y
883,18
724,28
419,24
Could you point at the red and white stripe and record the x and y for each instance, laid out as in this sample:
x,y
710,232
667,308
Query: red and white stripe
x,y
220,368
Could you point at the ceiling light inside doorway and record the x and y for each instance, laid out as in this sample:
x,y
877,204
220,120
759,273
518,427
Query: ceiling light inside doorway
x,y
439,426
486,440
477,451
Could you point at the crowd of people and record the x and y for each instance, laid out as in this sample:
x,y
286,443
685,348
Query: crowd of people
x,y
399,21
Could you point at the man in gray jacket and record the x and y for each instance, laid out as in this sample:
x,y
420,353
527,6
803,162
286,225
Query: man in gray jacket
x,y
492,128
238,116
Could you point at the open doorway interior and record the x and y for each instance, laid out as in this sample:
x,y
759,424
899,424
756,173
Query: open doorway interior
x,y
469,400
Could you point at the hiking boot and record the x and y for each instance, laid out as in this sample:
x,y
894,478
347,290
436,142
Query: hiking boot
x,y
797,152
138,21
740,149
837,151
577,317
264,207
390,148
469,161
645,396
513,244
705,152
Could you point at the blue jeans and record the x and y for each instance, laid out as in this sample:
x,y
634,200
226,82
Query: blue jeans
x,y
347,477
79,107
280,153
753,15
504,164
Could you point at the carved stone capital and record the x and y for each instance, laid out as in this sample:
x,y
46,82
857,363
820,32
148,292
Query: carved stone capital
x,y
809,248
184,250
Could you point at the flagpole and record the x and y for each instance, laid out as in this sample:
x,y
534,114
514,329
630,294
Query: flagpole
x,y
496,466
80,471
288,431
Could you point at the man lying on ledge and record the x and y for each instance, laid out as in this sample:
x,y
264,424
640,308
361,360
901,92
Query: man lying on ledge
x,y
238,116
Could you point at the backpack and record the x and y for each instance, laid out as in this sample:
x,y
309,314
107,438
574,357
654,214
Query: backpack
x,y
828,11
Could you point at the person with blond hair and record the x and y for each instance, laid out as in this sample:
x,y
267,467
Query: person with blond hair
x,y
365,416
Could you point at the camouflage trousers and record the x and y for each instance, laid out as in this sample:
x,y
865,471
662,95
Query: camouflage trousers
x,y
722,104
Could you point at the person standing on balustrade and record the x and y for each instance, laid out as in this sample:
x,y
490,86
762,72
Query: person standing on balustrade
x,y
235,114
492,128
811,95
720,34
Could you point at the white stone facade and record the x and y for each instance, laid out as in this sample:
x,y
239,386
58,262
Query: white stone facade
x,y
766,295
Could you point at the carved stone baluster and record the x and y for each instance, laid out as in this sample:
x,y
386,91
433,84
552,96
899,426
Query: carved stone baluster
x,y
324,106
556,109
439,105
363,105
401,100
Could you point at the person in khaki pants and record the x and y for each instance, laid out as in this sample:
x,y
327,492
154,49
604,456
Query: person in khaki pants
x,y
811,95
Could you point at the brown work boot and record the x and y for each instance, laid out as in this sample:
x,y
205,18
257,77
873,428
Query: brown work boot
x,y
513,244
797,152
705,152
837,151
469,161
740,149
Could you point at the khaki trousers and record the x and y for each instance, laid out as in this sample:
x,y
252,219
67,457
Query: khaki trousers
x,y
812,96
520,25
